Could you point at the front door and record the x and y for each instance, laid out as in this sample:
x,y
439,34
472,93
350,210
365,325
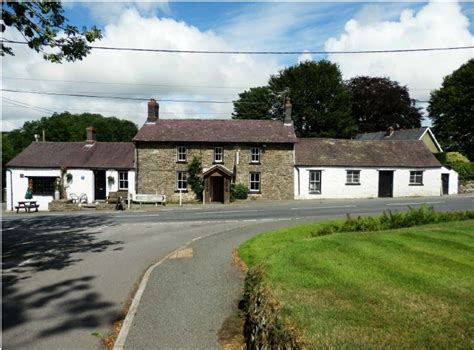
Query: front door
x,y
445,183
99,185
385,183
217,189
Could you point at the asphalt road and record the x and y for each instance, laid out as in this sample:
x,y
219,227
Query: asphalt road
x,y
66,277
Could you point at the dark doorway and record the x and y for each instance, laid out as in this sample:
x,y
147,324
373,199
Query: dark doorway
x,y
99,185
445,183
385,183
217,189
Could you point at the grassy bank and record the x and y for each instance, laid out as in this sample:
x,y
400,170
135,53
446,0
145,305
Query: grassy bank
x,y
409,288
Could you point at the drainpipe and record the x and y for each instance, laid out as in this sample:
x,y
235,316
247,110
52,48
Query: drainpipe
x,y
298,170
11,188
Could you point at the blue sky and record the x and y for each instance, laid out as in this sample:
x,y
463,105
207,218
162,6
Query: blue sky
x,y
233,26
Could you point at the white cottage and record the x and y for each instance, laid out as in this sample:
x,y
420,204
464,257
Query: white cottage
x,y
330,168
89,170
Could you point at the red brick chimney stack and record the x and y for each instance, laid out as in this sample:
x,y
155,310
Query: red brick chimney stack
x,y
91,135
153,111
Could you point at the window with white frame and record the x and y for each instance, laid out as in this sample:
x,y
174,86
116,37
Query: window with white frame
x,y
353,177
218,155
181,154
416,177
255,155
181,181
315,181
123,180
254,182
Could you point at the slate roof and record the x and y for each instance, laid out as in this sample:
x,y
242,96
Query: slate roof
x,y
97,155
217,131
403,134
356,153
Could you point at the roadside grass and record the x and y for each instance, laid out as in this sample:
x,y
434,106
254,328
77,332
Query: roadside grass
x,y
404,288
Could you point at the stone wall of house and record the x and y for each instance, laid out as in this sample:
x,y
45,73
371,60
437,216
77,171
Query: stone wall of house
x,y
466,186
157,167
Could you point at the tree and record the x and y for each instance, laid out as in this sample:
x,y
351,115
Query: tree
x,y
451,109
42,24
255,103
380,103
67,127
321,102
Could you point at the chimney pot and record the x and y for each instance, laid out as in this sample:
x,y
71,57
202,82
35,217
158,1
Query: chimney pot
x,y
153,111
288,106
91,134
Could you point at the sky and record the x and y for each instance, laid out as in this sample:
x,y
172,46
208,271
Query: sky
x,y
229,26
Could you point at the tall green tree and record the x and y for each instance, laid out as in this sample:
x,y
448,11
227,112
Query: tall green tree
x,y
320,99
451,109
255,103
43,25
67,127
380,103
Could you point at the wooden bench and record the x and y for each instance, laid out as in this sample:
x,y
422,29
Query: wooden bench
x,y
117,198
148,198
27,205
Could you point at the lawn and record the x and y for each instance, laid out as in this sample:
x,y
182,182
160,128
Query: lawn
x,y
406,288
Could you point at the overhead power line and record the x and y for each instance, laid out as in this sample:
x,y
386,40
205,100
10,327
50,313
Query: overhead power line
x,y
136,98
136,49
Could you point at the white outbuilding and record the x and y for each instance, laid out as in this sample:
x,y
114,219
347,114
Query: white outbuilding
x,y
334,168
87,170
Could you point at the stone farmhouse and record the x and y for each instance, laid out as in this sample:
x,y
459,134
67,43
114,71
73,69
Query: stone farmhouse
x,y
257,153
264,155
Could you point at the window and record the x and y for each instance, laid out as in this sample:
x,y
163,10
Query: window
x,y
254,180
416,178
218,155
123,180
43,186
181,154
181,181
255,155
353,177
315,181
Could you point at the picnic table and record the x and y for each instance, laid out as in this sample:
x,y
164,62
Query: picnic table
x,y
27,205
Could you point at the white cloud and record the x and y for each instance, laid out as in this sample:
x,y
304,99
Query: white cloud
x,y
435,25
181,76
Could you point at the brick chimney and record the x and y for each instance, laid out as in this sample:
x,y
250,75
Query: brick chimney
x,y
288,120
91,135
153,111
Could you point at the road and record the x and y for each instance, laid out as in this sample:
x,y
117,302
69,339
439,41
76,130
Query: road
x,y
66,277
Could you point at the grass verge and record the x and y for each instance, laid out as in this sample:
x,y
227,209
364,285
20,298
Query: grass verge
x,y
404,288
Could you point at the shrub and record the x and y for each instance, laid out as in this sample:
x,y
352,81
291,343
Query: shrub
x,y
194,177
238,191
392,220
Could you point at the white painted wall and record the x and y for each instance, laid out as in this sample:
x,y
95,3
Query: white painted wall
x,y
17,184
333,183
82,182
453,180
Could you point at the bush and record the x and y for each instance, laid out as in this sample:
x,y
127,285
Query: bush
x,y
465,170
238,191
393,220
459,163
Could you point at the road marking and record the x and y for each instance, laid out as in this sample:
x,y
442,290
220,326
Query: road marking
x,y
333,207
413,203
183,253
137,216
225,212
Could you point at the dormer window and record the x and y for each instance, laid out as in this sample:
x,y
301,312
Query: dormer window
x,y
218,155
181,154
255,155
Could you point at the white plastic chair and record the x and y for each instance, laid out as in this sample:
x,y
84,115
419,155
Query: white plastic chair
x,y
74,197
83,198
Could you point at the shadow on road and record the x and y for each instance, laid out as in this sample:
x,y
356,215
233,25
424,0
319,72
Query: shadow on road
x,y
52,243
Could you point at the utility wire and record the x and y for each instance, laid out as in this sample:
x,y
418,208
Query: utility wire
x,y
139,99
111,48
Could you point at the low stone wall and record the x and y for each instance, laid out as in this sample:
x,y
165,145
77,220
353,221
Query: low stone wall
x,y
63,205
466,186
